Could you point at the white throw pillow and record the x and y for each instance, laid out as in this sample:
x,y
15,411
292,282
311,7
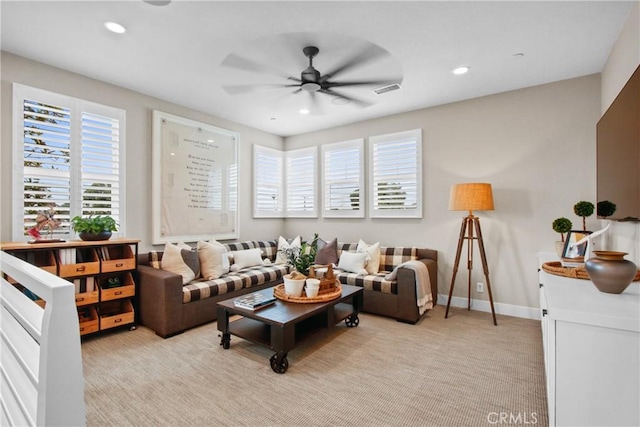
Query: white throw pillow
x,y
214,260
283,245
246,258
177,259
352,262
372,253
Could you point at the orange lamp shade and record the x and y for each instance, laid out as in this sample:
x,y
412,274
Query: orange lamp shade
x,y
471,197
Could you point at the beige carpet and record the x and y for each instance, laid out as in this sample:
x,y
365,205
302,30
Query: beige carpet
x,y
462,371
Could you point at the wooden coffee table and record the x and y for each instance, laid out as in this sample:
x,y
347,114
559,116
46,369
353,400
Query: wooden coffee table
x,y
282,325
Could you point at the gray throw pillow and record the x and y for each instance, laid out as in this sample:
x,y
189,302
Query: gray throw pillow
x,y
327,252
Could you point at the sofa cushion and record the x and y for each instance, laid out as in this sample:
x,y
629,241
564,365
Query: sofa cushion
x,y
284,246
214,260
269,247
180,259
201,289
390,257
327,252
246,258
353,262
370,282
372,252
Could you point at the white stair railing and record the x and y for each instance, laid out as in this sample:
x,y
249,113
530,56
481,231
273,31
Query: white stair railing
x,y
41,380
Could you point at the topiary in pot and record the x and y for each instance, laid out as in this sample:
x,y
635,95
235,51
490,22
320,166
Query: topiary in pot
x,y
94,227
562,225
583,209
606,208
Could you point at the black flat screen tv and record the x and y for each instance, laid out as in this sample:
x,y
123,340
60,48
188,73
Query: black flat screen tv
x,y
618,153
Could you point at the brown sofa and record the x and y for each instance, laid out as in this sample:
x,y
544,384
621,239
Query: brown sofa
x,y
169,308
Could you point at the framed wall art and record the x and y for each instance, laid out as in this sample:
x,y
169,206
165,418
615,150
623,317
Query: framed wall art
x,y
195,180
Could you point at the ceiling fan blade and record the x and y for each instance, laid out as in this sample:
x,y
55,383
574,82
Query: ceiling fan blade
x,y
368,53
241,63
359,102
316,108
360,83
297,90
242,89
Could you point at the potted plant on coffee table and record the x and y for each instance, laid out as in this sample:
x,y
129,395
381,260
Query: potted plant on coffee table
x,y
98,227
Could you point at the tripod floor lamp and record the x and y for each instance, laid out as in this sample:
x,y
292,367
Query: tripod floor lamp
x,y
471,197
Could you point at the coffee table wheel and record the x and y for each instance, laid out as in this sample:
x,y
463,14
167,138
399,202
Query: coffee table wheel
x,y
352,321
279,366
225,341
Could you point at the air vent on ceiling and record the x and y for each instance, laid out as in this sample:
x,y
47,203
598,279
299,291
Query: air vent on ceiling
x,y
389,88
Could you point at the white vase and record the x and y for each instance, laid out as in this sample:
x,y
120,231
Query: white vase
x,y
293,287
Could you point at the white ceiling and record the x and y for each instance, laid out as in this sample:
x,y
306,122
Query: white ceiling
x,y
175,52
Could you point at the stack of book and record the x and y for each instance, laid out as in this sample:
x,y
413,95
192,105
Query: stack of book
x,y
254,301
84,284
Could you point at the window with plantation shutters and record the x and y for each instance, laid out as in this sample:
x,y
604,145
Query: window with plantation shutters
x,y
343,179
68,157
301,178
395,175
268,177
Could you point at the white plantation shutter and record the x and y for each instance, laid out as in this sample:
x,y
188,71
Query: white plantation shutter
x,y
301,173
343,179
68,154
395,182
45,161
268,184
100,154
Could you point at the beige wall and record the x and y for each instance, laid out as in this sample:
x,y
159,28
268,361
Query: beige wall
x,y
139,109
535,145
623,61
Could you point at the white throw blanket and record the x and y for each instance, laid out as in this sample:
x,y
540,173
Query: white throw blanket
x,y
423,283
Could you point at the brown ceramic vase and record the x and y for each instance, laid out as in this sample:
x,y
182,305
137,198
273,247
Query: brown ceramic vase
x,y
610,272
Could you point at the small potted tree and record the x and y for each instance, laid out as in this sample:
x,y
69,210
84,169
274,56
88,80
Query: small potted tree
x,y
606,208
584,209
94,227
561,225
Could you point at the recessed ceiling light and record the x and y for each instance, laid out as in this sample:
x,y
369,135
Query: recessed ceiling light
x,y
461,70
272,118
158,2
518,55
114,27
304,111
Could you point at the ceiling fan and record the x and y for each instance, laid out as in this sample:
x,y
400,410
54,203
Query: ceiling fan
x,y
311,80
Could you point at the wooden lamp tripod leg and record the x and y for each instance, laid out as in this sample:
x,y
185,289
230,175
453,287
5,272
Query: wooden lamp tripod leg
x,y
463,229
485,267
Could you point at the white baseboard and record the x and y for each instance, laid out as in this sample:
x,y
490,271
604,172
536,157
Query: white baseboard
x,y
500,308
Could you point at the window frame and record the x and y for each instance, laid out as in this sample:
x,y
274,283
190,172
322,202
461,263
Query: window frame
x,y
76,108
391,138
325,150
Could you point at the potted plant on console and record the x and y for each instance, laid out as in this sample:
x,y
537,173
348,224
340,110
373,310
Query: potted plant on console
x,y
94,227
561,225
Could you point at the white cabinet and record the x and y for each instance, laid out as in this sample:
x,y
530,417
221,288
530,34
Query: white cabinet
x,y
591,344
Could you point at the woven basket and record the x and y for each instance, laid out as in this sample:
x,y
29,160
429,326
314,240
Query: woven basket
x,y
279,293
328,282
556,268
